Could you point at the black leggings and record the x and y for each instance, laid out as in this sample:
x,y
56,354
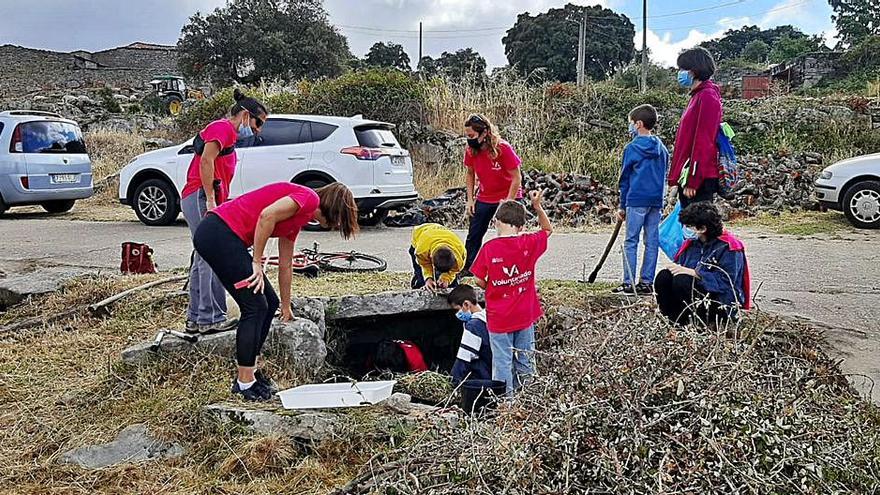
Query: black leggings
x,y
483,213
680,299
230,260
706,192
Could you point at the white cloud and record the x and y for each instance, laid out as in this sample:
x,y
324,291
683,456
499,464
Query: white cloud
x,y
665,51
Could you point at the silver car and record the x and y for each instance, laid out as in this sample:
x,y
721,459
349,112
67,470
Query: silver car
x,y
853,187
43,161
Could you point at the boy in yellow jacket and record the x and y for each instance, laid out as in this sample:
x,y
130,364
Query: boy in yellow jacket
x,y
438,256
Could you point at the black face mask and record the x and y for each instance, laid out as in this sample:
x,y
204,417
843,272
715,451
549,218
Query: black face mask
x,y
475,144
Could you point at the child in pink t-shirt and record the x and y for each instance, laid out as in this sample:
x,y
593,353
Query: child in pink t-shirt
x,y
505,267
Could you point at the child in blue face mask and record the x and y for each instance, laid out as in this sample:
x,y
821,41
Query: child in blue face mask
x,y
474,358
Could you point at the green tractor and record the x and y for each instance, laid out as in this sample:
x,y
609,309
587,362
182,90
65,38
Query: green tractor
x,y
173,92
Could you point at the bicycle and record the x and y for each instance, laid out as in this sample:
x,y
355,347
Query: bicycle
x,y
308,260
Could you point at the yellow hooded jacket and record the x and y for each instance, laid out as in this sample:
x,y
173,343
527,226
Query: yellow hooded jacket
x,y
430,237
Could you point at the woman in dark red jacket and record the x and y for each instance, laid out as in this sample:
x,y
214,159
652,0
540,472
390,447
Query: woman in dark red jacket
x,y
695,142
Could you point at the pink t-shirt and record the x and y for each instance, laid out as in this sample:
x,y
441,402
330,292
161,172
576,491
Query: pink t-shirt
x,y
493,174
242,213
223,132
507,264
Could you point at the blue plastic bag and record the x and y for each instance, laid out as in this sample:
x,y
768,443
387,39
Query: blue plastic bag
x,y
672,233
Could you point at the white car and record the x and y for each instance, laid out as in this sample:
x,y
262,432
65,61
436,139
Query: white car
x,y
310,150
853,187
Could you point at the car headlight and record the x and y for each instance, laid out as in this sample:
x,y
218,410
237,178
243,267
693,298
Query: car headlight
x,y
825,175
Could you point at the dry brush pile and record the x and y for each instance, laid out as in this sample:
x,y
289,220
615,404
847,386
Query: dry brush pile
x,y
626,404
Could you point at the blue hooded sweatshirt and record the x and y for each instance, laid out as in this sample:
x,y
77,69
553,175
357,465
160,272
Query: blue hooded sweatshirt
x,y
643,178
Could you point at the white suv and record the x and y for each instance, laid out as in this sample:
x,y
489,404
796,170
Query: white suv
x,y
306,149
853,187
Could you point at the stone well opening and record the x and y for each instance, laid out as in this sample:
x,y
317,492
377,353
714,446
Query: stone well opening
x,y
354,337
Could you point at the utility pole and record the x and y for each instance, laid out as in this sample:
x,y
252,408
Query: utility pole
x,y
421,45
644,46
582,49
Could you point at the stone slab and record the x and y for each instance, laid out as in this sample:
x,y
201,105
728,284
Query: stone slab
x,y
419,301
133,444
16,286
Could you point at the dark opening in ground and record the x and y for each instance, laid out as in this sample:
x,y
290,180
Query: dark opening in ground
x,y
352,344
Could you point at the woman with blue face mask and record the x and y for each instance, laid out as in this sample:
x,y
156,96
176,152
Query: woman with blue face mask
x,y
694,170
207,186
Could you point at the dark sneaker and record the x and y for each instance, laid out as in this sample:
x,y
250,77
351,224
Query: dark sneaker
x,y
191,327
624,289
267,382
645,289
256,393
221,326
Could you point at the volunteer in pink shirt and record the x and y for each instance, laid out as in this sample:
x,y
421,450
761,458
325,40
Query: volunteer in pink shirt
x,y
207,185
223,238
494,166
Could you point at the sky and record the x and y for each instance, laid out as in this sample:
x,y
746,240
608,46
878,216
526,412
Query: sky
x,y
673,25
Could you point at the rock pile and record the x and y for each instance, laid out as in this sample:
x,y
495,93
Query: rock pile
x,y
768,184
116,109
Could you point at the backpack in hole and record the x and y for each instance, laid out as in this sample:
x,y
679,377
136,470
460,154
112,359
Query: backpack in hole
x,y
399,356
137,259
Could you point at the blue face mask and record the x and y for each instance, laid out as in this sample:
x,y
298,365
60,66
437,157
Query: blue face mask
x,y
685,78
463,316
689,234
245,131
633,132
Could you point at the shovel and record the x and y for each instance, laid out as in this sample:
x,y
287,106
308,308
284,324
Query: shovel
x,y
592,277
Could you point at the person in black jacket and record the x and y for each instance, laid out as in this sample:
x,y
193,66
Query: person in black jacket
x,y
474,358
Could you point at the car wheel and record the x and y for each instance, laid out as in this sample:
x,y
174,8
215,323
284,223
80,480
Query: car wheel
x,y
3,207
861,204
314,226
373,218
58,206
155,203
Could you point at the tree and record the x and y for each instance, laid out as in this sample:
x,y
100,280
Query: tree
x,y
459,65
734,41
545,46
390,55
756,51
787,48
856,19
250,40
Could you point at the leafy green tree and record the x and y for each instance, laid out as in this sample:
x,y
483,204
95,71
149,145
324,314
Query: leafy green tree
x,y
856,19
249,40
388,55
459,65
734,42
659,77
787,48
756,51
545,46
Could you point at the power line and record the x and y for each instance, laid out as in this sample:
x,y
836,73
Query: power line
x,y
777,9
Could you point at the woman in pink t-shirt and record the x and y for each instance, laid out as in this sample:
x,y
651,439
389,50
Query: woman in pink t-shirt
x,y
277,210
210,173
493,165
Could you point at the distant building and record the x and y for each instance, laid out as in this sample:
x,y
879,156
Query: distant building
x,y
807,70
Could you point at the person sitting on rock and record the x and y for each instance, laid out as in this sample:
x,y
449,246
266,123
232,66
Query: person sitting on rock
x,y
474,358
222,239
438,255
709,281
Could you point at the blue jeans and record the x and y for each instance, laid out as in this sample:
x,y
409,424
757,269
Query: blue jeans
x,y
513,357
483,213
638,220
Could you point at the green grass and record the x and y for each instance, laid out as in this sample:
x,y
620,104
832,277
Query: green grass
x,y
807,223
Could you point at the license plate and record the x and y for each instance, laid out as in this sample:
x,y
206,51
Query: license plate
x,y
398,161
65,179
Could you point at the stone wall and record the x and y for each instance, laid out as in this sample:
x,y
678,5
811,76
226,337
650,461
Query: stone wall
x,y
808,70
28,70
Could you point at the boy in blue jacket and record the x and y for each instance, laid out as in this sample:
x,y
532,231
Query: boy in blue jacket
x,y
474,358
642,182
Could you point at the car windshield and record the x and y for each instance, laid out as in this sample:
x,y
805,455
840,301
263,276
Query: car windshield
x,y
376,137
51,137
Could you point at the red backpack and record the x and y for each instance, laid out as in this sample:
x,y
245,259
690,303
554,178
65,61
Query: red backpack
x,y
399,356
137,259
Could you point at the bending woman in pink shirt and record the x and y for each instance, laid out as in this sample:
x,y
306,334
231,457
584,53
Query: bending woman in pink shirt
x,y
695,141
210,173
278,210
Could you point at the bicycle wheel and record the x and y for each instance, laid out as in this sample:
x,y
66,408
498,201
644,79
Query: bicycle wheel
x,y
351,262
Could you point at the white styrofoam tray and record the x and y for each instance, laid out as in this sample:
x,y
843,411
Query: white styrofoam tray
x,y
331,395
